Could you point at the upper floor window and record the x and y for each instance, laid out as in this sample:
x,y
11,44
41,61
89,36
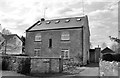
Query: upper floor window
x,y
57,21
65,36
50,43
67,20
38,37
39,23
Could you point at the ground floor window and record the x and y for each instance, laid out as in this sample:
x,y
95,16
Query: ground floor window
x,y
65,53
37,51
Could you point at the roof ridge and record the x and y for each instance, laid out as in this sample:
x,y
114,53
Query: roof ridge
x,y
85,16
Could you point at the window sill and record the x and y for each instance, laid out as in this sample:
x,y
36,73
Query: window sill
x,y
65,41
37,41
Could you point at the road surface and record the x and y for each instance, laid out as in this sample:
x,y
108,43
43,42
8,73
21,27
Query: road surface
x,y
87,71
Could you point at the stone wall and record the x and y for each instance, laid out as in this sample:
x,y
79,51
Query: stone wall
x,y
20,64
46,65
27,65
109,68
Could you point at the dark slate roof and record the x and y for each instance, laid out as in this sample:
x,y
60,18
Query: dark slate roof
x,y
107,50
59,23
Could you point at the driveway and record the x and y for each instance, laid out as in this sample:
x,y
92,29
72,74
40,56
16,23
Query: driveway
x,y
89,71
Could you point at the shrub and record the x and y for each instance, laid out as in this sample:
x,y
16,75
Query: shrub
x,y
111,57
5,63
107,57
116,57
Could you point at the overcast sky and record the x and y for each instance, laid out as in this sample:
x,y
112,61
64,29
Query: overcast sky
x,y
18,15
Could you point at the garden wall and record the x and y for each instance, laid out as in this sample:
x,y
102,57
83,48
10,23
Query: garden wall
x,y
46,65
109,68
20,64
27,65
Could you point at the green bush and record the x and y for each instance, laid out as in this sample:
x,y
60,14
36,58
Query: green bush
x,y
5,63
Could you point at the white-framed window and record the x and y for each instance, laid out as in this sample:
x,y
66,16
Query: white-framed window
x,y
38,37
65,53
67,20
57,21
65,36
37,51
39,23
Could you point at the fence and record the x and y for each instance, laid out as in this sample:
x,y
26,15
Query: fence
x,y
26,64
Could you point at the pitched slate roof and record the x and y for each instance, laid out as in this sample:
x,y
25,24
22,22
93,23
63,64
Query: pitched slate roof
x,y
7,37
107,50
59,23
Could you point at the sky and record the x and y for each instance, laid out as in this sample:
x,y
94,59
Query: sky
x,y
18,15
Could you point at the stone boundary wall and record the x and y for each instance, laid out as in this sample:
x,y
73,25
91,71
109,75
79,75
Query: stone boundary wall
x,y
20,64
107,68
46,65
27,65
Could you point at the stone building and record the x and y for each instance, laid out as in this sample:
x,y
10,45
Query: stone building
x,y
12,44
65,38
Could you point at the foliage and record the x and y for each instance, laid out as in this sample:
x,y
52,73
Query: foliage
x,y
6,32
108,68
20,65
79,57
114,47
104,45
111,57
114,39
107,57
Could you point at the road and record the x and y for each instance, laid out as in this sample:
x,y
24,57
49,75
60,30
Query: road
x,y
87,71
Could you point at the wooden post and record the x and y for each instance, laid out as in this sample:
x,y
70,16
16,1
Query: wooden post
x,y
60,65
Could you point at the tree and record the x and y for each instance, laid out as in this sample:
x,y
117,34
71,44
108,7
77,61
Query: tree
x,y
116,40
91,46
104,45
5,32
114,47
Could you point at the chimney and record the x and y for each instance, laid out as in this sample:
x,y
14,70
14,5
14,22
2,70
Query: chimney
x,y
42,19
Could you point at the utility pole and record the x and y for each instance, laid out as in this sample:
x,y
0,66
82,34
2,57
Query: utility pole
x,y
5,46
83,8
45,12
